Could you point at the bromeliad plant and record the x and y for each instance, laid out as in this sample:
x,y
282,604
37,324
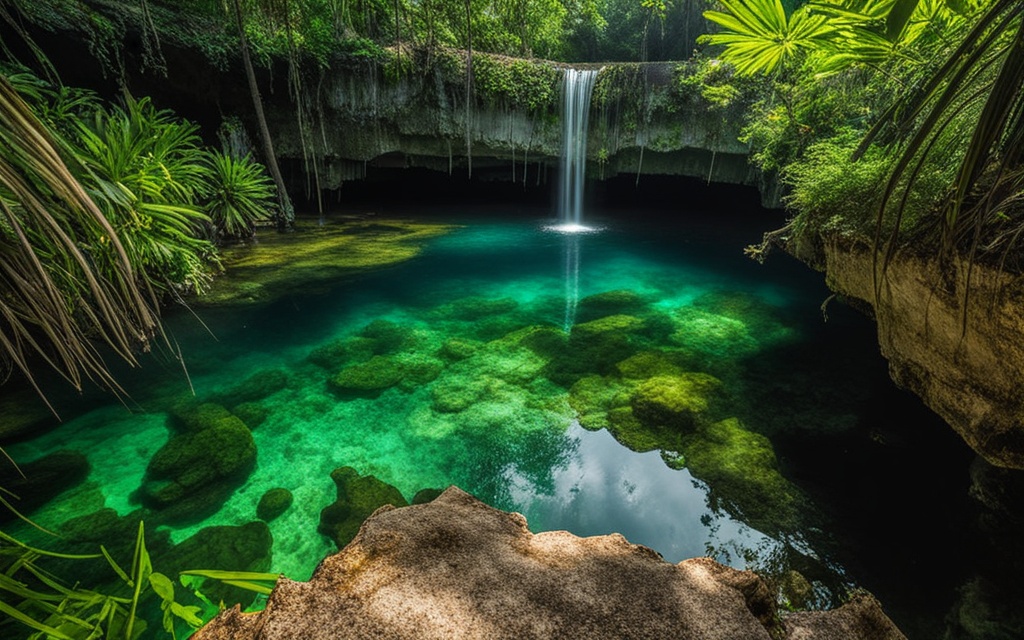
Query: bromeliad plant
x,y
146,169
237,195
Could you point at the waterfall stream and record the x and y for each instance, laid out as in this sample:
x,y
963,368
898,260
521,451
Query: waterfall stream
x,y
577,87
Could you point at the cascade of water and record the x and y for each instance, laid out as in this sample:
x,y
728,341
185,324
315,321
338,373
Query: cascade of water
x,y
577,87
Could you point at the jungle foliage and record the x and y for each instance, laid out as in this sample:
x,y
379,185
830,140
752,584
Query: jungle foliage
x,y
911,108
109,212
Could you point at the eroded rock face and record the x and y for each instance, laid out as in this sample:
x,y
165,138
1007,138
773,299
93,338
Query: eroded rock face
x,y
973,380
457,568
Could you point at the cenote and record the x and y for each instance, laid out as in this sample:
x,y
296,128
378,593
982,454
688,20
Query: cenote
x,y
713,286
644,378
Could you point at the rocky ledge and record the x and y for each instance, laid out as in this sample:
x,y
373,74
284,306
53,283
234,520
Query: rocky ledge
x,y
457,568
963,355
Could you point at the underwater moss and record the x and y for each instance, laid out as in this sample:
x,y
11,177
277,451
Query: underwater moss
x,y
677,401
314,257
273,503
253,414
742,472
197,469
357,497
473,308
607,303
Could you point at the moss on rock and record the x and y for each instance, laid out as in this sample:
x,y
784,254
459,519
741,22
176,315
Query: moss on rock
x,y
273,503
196,470
457,349
336,354
599,305
678,401
358,497
742,472
253,414
370,378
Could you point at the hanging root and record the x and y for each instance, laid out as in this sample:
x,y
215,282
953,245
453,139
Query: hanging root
x,y
770,239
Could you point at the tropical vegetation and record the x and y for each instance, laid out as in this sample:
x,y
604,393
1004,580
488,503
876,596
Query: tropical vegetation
x,y
920,97
899,120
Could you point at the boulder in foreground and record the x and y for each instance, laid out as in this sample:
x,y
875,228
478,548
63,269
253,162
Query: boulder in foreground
x,y
457,568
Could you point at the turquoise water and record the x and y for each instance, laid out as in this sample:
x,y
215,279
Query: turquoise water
x,y
644,378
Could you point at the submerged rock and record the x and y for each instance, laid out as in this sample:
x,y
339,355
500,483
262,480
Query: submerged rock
x,y
40,481
358,497
245,547
379,373
253,414
192,475
743,476
456,567
599,305
273,503
675,401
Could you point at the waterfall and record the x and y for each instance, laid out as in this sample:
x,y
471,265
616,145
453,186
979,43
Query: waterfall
x,y
576,89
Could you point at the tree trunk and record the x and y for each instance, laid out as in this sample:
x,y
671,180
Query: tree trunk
x,y
287,215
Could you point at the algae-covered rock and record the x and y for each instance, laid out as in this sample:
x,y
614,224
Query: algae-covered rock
x,y
594,348
253,414
761,319
677,401
599,305
191,476
256,387
423,496
387,337
712,335
592,397
370,378
474,308
648,364
358,497
335,354
742,472
40,481
619,323
544,340
191,416
273,503
225,548
457,349
314,257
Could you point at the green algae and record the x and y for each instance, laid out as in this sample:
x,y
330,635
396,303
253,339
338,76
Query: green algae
x,y
358,496
743,475
315,257
273,503
677,401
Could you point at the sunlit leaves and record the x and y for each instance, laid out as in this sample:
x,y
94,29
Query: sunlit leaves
x,y
759,37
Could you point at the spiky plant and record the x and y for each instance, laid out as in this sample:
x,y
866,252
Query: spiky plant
x,y
238,194
67,284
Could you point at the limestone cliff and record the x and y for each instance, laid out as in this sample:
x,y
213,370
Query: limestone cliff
x,y
456,568
962,354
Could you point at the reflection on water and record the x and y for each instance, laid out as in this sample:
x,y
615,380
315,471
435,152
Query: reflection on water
x,y
601,488
643,380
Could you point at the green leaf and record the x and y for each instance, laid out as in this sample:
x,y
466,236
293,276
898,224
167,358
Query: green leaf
x,y
898,18
15,614
162,585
